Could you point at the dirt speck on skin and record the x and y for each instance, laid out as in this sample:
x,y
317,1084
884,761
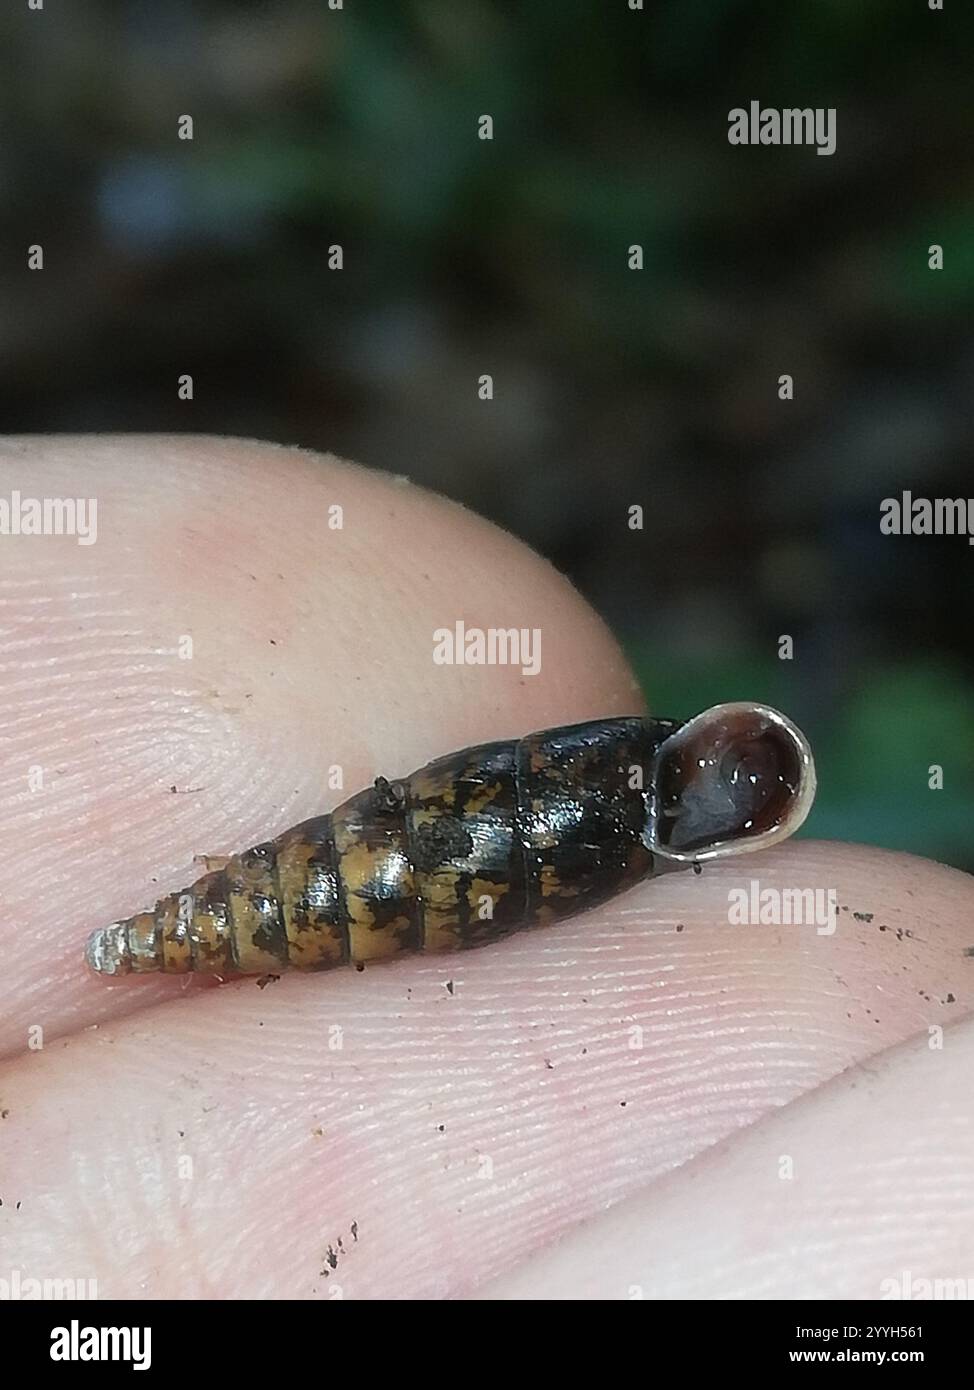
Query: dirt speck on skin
x,y
4,1114
549,1065
969,951
334,1251
680,926
317,1133
266,980
863,916
901,932
449,986
951,999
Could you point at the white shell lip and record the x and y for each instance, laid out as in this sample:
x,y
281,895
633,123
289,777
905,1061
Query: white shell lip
x,y
797,814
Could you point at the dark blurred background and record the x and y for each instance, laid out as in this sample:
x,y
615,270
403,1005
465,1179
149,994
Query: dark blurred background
x,y
613,387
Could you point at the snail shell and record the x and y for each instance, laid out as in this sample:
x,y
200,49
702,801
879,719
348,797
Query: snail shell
x,y
481,843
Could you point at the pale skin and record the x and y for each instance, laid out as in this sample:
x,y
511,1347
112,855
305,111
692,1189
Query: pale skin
x,y
604,1109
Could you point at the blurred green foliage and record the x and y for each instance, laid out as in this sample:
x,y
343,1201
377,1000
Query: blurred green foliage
x,y
612,387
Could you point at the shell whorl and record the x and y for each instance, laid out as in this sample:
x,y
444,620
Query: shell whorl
x,y
481,843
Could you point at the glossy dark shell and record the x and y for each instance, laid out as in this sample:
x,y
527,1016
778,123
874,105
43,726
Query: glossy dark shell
x,y
468,849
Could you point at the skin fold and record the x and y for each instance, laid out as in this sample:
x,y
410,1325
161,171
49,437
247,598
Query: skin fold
x,y
599,1109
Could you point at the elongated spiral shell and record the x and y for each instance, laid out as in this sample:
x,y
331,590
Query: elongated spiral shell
x,y
478,844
